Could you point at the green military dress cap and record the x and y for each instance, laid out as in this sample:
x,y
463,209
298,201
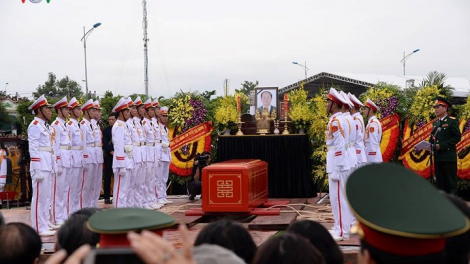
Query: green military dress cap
x,y
400,212
114,224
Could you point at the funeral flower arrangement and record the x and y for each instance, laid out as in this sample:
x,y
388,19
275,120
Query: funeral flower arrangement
x,y
226,113
300,110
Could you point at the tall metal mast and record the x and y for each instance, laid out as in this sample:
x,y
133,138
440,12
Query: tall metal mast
x,y
146,60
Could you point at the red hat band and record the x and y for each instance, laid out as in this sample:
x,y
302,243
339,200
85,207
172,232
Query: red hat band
x,y
334,99
38,105
59,106
371,106
441,103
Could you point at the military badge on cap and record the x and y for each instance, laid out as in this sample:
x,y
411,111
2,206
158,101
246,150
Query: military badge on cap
x,y
442,101
148,104
399,212
114,224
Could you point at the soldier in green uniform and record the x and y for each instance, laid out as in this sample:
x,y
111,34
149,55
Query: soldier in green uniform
x,y
445,136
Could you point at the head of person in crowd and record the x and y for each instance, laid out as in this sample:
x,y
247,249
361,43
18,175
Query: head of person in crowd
x,y
41,108
75,109
404,228
20,244
163,115
334,103
214,254
288,248
230,235
138,104
458,247
369,109
148,109
157,106
98,112
74,232
111,119
320,238
89,110
62,108
357,104
122,109
441,107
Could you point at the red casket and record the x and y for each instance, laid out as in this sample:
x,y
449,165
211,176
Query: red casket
x,y
234,185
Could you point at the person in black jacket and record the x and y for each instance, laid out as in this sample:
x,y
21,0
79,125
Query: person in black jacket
x,y
108,151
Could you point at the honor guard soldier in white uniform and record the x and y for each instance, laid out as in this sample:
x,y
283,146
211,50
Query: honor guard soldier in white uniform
x,y
158,149
147,111
165,158
123,162
337,166
98,174
138,141
63,153
89,154
3,170
43,165
360,128
373,134
76,172
347,105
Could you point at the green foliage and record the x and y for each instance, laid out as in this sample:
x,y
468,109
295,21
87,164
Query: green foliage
x,y
25,115
5,118
107,103
54,88
247,87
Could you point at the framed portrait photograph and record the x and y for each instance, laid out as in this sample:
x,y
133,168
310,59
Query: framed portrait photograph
x,y
266,98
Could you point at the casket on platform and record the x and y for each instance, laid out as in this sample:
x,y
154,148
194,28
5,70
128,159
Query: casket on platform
x,y
234,185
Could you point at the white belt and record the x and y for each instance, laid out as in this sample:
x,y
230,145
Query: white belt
x,y
90,145
77,147
150,144
136,144
46,149
351,144
98,145
330,148
65,147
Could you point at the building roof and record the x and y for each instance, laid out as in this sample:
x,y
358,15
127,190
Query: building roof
x,y
355,83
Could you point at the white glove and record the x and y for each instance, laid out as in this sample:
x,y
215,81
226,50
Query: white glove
x,y
59,170
86,167
122,171
36,176
165,145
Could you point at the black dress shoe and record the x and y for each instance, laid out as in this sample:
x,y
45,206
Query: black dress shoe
x,y
108,201
191,197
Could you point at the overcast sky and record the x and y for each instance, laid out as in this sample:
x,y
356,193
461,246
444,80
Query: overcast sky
x,y
196,44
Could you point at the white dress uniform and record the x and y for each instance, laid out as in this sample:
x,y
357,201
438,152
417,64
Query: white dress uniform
x,y
337,167
98,174
3,169
164,161
140,184
123,162
360,128
158,155
76,171
149,186
373,136
136,133
89,159
351,134
63,153
42,168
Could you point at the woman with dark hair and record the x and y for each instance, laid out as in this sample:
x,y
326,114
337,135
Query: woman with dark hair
x,y
288,248
320,238
230,235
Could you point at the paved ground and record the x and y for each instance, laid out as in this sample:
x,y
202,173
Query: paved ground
x,y
260,227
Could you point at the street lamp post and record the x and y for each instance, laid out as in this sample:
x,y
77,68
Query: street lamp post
x,y
85,36
304,66
405,58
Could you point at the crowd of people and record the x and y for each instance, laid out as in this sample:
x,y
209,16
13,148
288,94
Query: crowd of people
x,y
67,158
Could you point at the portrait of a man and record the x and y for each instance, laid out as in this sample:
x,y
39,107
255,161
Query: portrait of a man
x,y
266,99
